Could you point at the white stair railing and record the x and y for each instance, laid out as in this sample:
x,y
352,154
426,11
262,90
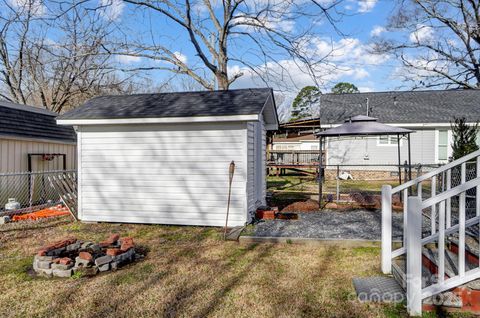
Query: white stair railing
x,y
414,208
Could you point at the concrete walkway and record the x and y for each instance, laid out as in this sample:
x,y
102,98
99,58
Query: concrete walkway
x,y
358,224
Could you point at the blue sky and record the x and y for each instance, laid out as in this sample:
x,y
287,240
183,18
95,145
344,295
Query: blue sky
x,y
351,60
354,63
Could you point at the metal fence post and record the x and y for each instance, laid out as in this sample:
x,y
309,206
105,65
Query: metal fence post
x,y
414,256
386,229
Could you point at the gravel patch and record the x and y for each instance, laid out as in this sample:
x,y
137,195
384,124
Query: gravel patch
x,y
358,224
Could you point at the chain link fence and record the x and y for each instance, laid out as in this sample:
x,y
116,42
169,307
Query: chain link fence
x,y
31,190
361,184
355,185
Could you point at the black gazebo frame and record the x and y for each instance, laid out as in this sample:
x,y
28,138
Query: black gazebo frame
x,y
362,126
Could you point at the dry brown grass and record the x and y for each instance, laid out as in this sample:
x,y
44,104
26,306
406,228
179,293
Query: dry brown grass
x,y
188,272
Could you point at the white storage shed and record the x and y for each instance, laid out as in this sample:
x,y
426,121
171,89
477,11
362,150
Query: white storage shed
x,y
164,158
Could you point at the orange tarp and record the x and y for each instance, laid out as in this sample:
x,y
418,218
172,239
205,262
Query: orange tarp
x,y
45,213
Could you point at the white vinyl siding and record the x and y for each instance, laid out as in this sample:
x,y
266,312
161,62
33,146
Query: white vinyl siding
x,y
262,164
163,173
251,197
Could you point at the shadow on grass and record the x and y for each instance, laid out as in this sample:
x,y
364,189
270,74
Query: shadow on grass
x,y
154,276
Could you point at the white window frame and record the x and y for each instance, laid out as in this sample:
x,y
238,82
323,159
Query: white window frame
x,y
389,144
449,144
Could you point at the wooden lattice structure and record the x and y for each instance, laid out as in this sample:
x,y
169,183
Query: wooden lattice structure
x,y
65,183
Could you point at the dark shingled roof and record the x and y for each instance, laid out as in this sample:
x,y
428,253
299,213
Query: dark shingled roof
x,y
33,123
182,104
438,106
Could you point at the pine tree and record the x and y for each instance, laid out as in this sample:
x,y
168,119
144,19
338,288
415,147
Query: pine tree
x,y
303,105
464,137
345,88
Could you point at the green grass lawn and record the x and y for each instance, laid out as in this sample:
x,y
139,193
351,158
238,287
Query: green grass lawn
x,y
308,184
188,272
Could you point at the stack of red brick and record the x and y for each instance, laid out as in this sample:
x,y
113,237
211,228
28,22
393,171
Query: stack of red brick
x,y
68,256
266,213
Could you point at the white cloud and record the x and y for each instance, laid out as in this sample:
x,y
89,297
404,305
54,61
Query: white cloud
x,y
270,22
365,89
34,7
366,5
128,59
112,9
360,73
182,57
377,30
347,51
347,59
423,33
422,67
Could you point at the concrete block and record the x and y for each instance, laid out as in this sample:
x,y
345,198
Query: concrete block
x,y
62,272
104,267
62,266
80,262
95,248
44,272
125,257
43,264
43,258
56,252
73,247
86,245
4,219
103,260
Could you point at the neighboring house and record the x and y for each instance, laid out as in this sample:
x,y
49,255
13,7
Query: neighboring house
x,y
428,113
31,132
164,158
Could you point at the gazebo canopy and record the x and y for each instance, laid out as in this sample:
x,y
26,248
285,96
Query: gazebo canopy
x,y
363,126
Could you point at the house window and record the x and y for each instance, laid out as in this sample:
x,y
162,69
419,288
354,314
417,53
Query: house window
x,y
443,145
388,140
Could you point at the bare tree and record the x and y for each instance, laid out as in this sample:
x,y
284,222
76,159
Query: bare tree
x,y
252,33
55,57
440,46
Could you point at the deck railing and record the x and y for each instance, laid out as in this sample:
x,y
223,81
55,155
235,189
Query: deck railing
x,y
293,157
441,203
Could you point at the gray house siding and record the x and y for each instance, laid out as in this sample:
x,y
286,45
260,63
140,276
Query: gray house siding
x,y
352,151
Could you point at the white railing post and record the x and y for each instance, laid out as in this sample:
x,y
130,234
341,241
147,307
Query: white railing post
x,y
405,216
441,243
433,215
386,229
461,224
448,221
414,256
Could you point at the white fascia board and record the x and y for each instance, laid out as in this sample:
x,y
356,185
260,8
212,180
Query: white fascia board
x,y
42,140
270,126
161,120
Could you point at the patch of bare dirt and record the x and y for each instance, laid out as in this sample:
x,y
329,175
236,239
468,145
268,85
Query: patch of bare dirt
x,y
302,206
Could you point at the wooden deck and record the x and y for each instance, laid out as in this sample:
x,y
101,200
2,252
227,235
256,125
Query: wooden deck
x,y
302,161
